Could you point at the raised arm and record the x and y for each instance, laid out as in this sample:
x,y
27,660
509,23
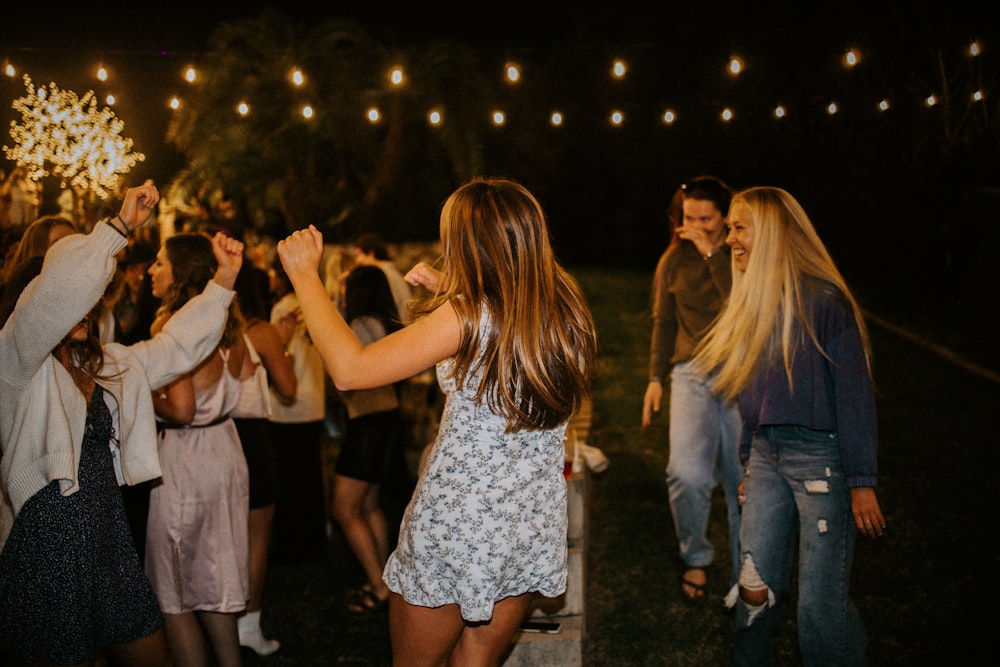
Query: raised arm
x,y
137,207
351,365
229,257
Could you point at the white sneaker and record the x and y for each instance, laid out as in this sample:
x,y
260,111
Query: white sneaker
x,y
258,643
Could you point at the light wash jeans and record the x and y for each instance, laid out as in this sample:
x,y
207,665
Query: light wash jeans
x,y
796,490
704,442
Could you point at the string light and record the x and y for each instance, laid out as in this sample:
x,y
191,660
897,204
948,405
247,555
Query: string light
x,y
513,71
81,144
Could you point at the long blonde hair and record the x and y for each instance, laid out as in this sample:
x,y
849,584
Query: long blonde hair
x,y
767,310
539,350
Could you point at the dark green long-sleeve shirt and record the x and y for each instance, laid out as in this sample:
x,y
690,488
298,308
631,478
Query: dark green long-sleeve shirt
x,y
688,292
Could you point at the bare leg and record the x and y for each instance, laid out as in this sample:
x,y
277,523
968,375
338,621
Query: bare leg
x,y
423,636
352,509
375,518
261,522
222,634
483,644
250,633
439,637
186,640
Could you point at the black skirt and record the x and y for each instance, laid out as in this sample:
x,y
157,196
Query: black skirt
x,y
70,578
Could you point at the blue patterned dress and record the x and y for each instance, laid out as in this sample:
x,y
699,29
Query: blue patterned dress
x,y
488,518
70,577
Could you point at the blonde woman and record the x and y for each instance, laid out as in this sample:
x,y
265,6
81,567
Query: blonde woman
x,y
792,347
514,344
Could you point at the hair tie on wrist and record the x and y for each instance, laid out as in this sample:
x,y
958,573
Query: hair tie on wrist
x,y
125,233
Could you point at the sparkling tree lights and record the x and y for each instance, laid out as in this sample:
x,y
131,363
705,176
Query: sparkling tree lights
x,y
69,137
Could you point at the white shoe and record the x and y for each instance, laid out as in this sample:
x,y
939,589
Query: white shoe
x,y
595,458
259,644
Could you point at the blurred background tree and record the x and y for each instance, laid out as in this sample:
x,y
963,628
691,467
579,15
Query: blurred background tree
x,y
70,139
327,137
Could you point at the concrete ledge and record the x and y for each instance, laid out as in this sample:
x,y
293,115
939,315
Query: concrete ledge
x,y
536,649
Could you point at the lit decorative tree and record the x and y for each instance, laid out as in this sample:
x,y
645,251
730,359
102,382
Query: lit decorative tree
x,y
69,137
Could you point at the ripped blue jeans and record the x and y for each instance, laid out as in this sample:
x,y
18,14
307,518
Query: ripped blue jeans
x,y
796,493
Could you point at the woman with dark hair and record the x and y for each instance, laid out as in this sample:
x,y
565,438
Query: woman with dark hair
x,y
76,421
267,364
691,283
196,538
37,238
374,430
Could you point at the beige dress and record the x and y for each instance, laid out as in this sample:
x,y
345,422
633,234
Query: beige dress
x,y
196,540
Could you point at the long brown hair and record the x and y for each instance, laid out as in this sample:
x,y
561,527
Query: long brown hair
x,y
536,356
193,264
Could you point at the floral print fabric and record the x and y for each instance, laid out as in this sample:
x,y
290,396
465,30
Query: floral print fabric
x,y
488,518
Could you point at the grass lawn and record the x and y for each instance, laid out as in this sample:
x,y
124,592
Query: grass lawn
x,y
923,589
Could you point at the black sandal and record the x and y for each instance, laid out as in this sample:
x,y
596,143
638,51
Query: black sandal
x,y
693,592
364,601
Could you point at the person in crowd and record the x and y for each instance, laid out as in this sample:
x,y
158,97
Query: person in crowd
x,y
134,305
197,533
22,197
266,364
374,429
514,343
76,421
691,283
371,248
297,428
37,238
791,345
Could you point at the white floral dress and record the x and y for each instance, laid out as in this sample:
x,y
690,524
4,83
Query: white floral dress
x,y
488,518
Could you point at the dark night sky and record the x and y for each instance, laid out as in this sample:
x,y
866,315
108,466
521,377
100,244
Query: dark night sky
x,y
170,26
63,44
